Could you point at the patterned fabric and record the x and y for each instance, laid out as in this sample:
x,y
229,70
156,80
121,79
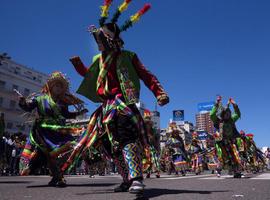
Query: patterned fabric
x,y
102,81
228,154
128,87
213,162
155,158
101,122
122,167
151,160
226,138
29,153
196,161
49,133
180,163
179,155
96,79
133,159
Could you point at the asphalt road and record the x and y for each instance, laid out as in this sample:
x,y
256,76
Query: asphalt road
x,y
191,187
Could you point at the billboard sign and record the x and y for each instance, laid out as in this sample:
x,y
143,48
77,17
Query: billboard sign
x,y
178,115
202,135
206,106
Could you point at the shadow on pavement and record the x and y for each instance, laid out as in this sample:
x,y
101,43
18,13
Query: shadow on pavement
x,y
96,192
14,182
151,193
77,185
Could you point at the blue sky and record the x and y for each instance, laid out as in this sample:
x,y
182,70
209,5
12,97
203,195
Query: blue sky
x,y
196,48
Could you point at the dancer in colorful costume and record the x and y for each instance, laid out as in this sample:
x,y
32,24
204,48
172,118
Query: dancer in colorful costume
x,y
50,136
177,149
213,162
256,159
151,160
267,156
227,133
195,151
241,143
166,161
113,80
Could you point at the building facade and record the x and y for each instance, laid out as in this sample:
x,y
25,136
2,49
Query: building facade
x,y
26,81
155,115
204,122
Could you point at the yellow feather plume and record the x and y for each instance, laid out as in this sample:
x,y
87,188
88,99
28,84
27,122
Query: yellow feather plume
x,y
105,11
135,18
123,7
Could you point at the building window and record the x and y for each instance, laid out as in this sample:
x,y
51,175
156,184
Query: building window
x,y
4,63
22,127
1,101
12,104
9,125
16,87
2,84
26,92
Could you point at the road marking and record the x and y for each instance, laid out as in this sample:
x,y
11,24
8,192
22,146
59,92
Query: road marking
x,y
265,176
214,177
186,177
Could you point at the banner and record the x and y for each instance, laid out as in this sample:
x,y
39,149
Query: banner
x,y
206,106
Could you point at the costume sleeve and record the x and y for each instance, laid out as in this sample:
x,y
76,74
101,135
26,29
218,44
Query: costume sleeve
x,y
79,66
237,114
213,114
28,105
147,77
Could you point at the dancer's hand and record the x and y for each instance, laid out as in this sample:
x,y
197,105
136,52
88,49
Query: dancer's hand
x,y
75,59
163,99
83,111
22,100
219,98
232,101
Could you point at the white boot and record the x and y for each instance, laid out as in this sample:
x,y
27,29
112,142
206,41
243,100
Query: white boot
x,y
136,187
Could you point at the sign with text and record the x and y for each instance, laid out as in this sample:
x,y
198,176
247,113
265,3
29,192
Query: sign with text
x,y
178,115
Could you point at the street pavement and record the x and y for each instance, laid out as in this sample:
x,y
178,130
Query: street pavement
x,y
190,187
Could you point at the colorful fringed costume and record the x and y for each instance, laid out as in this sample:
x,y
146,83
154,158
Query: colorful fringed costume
x,y
151,161
113,80
211,156
177,149
213,161
226,135
255,158
241,143
166,162
50,136
195,152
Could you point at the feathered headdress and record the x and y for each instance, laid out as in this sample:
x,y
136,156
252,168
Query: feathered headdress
x,y
133,19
